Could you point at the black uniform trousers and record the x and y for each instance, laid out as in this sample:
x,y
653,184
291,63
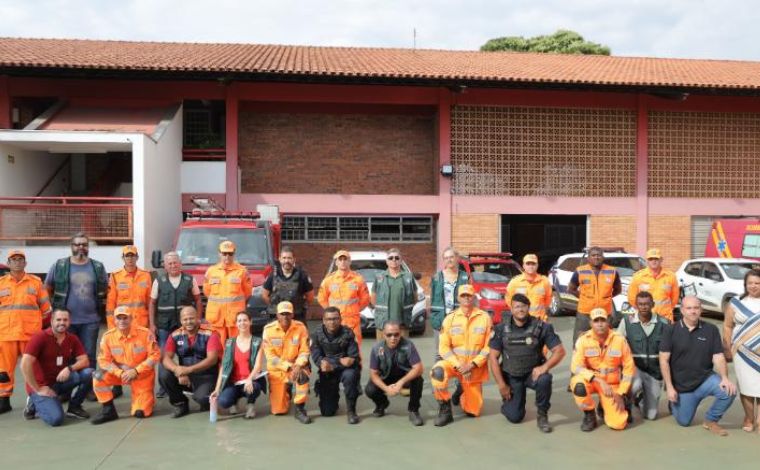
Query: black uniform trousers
x,y
201,386
378,396
328,388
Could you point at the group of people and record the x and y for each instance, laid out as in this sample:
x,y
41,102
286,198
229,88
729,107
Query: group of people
x,y
158,321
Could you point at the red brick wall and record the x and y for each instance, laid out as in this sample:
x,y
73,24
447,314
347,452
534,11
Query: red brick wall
x,y
614,231
672,235
337,153
471,233
315,259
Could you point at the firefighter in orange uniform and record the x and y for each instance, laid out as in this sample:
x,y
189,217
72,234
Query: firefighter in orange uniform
x,y
128,355
346,290
464,350
602,364
659,282
286,348
534,286
227,287
129,287
23,304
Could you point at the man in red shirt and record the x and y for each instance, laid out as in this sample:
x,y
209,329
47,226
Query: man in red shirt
x,y
198,351
54,364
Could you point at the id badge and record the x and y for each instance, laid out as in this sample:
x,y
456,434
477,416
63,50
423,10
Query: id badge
x,y
59,361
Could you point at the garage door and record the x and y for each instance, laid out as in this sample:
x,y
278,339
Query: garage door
x,y
700,230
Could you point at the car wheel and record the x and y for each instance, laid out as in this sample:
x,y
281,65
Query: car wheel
x,y
555,307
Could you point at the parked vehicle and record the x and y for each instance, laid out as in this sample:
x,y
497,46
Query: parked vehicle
x,y
734,237
371,263
490,273
562,271
257,239
4,269
714,280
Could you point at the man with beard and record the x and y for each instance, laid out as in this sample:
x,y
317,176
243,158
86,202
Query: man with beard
x,y
289,283
78,284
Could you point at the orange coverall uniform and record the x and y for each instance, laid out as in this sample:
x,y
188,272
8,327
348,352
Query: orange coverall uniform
x,y
350,294
119,352
463,340
663,287
228,289
23,304
610,361
131,290
538,291
282,350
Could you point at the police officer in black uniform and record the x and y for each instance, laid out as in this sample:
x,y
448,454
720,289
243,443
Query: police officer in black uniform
x,y
393,366
290,283
335,354
519,340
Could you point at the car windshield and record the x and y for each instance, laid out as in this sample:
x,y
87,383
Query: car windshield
x,y
493,272
201,245
369,268
737,270
370,275
625,266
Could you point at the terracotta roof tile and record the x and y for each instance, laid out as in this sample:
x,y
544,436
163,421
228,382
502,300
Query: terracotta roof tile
x,y
368,63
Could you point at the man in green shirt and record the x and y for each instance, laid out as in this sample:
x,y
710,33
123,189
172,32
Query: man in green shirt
x,y
394,293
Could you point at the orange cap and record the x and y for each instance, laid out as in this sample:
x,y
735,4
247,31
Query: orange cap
x,y
654,253
466,289
129,249
121,311
598,313
227,247
340,253
284,306
530,258
13,253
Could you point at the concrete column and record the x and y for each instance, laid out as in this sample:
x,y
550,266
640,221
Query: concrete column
x,y
444,183
642,169
232,109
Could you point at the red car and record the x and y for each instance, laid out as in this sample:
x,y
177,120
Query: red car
x,y
490,273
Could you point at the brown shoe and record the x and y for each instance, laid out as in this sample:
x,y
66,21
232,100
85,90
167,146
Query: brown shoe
x,y
715,428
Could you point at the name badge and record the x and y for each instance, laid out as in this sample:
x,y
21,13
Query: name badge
x,y
521,290
214,280
234,280
122,286
5,292
59,361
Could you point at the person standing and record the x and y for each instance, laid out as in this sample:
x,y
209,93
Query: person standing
x,y
659,282
346,290
129,287
78,284
520,340
534,286
690,352
228,287
394,294
595,284
741,329
23,305
55,364
643,331
444,292
288,282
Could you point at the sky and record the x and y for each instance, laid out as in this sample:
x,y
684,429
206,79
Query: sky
x,y
710,29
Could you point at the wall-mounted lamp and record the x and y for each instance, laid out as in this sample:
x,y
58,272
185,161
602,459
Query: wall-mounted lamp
x,y
447,171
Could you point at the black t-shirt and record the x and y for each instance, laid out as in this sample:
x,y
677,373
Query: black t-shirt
x,y
691,353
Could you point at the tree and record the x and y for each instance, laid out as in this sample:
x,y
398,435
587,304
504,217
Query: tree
x,y
561,42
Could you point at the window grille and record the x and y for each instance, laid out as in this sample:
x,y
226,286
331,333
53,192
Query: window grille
x,y
357,229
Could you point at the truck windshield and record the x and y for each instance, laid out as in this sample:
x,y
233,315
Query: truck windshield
x,y
201,245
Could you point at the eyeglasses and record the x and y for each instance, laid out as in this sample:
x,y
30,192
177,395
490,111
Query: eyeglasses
x,y
80,244
284,314
394,258
392,335
228,254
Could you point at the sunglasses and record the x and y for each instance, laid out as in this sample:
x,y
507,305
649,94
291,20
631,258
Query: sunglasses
x,y
392,335
285,314
394,258
228,254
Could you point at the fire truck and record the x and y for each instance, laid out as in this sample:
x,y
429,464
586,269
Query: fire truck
x,y
734,238
255,234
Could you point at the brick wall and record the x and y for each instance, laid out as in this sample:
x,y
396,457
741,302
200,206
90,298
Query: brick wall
x,y
614,231
337,153
475,232
672,235
315,259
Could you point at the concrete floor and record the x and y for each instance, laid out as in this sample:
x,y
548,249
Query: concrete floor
x,y
281,442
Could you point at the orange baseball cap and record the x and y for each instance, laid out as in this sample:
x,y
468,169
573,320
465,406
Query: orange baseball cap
x,y
654,253
466,289
129,250
121,311
598,313
13,253
340,253
227,247
530,258
285,306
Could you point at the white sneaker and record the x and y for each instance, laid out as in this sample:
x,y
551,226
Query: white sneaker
x,y
250,411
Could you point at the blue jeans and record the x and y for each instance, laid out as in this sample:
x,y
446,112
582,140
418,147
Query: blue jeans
x,y
50,410
231,393
163,335
686,407
88,335
514,408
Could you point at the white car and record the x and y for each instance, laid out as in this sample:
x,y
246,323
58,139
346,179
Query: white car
x,y
714,280
562,271
371,263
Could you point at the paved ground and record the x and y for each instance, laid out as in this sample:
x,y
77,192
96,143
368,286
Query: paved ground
x,y
281,442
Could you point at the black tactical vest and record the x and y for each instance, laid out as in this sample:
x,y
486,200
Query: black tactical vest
x,y
385,358
287,290
170,300
334,348
521,349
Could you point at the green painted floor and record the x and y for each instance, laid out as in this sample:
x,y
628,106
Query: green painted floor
x,y
281,442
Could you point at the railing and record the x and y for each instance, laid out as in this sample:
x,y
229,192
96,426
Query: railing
x,y
189,154
57,218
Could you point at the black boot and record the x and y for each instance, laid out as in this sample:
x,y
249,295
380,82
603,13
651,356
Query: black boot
x,y
415,418
589,421
351,415
106,414
301,416
542,421
444,413
5,405
456,398
181,410
118,391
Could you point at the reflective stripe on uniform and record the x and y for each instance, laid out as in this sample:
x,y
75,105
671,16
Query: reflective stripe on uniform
x,y
236,298
133,304
334,302
19,307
